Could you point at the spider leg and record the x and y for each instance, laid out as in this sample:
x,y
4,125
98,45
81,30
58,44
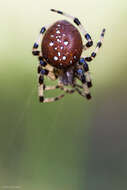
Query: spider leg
x,y
81,76
67,90
78,86
35,50
99,44
41,86
85,92
46,100
86,70
78,23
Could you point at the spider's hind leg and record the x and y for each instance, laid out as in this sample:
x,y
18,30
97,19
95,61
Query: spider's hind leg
x,y
66,90
81,76
86,72
42,87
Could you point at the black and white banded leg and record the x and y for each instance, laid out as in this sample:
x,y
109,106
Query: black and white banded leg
x,y
66,90
86,70
42,88
35,50
99,44
82,78
78,23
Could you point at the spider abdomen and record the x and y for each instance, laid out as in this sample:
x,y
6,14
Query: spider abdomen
x,y
62,44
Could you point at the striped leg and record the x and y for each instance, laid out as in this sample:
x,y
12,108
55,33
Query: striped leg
x,y
82,78
42,88
77,85
67,90
99,44
86,70
87,94
78,23
40,85
35,50
46,100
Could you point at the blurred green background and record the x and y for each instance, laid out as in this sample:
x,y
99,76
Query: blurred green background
x,y
73,143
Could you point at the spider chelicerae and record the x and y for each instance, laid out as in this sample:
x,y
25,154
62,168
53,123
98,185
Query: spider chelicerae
x,y
60,58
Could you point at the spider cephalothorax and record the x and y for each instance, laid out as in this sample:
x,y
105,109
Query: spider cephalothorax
x,y
60,58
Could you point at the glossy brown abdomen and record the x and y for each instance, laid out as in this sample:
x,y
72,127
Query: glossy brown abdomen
x,y
62,44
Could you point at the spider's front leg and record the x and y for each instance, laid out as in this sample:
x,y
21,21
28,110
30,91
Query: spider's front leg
x,y
35,50
78,23
99,44
81,76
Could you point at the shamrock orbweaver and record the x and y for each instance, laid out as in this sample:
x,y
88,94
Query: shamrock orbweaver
x,y
60,58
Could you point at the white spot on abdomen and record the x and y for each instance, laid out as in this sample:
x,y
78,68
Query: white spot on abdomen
x,y
51,43
64,57
55,58
58,32
58,36
58,40
66,43
59,54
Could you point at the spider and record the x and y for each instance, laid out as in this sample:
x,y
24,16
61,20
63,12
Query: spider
x,y
60,58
